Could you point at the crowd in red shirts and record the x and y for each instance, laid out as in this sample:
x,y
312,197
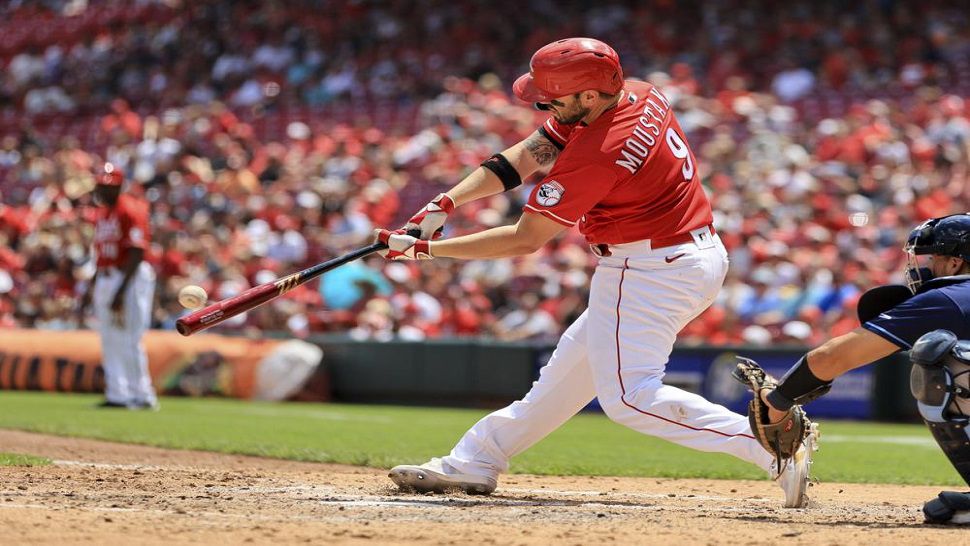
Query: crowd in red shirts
x,y
268,137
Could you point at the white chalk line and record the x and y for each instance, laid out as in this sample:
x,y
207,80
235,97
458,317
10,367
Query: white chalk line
x,y
331,491
917,441
190,513
322,414
109,466
444,503
438,501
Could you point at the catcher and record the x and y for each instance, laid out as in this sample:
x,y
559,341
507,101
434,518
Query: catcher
x,y
927,317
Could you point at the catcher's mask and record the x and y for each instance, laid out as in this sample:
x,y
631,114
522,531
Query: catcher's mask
x,y
946,236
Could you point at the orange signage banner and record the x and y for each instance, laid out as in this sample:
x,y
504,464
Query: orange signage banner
x,y
70,361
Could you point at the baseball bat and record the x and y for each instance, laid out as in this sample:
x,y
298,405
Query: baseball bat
x,y
254,297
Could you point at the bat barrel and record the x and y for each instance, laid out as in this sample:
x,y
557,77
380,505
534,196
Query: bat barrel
x,y
220,311
258,295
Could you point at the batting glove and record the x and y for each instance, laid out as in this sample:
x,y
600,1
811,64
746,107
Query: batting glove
x,y
431,219
401,246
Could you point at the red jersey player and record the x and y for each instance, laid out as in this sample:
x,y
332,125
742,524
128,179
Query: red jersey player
x,y
623,172
123,289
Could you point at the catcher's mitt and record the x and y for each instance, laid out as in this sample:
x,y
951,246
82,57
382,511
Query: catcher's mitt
x,y
782,438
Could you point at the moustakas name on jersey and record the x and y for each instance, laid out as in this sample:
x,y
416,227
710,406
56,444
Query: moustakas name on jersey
x,y
628,176
119,228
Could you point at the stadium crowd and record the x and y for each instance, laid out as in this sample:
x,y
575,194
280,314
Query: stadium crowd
x,y
821,138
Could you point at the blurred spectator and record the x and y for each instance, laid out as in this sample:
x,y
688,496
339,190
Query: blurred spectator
x,y
345,286
267,138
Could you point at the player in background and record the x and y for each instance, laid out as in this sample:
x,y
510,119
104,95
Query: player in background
x,y
926,317
620,169
122,291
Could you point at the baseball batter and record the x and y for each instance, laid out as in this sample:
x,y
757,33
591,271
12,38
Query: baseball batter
x,y
621,170
123,289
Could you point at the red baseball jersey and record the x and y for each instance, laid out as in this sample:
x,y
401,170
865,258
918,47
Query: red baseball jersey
x,y
120,228
628,176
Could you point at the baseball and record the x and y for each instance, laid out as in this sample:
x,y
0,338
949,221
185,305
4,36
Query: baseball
x,y
858,219
192,296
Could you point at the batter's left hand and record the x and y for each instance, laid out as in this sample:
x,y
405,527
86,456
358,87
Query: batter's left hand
x,y
401,246
429,222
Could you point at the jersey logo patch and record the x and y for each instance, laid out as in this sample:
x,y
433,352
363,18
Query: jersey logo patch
x,y
550,193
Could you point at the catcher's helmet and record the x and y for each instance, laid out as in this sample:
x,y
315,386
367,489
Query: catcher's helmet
x,y
569,66
111,176
945,236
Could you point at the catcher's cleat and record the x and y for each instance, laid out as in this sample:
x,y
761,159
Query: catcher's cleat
x,y
436,476
794,476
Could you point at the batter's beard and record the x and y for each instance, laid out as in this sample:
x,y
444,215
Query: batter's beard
x,y
573,118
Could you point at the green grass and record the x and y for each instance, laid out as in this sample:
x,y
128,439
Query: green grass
x,y
17,459
383,436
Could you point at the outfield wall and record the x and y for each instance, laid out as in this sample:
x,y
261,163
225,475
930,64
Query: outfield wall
x,y
477,373
447,372
203,365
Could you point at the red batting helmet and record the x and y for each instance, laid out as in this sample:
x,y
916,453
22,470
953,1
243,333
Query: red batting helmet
x,y
111,176
569,66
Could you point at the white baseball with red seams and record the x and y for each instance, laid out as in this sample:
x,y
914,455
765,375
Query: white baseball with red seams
x,y
628,180
192,297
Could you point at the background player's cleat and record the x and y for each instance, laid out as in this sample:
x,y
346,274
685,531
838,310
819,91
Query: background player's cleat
x,y
438,477
107,404
150,406
794,476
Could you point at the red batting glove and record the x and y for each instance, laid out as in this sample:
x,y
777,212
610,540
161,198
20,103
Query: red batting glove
x,y
431,219
401,246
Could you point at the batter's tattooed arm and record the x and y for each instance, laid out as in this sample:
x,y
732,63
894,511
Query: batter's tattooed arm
x,y
544,152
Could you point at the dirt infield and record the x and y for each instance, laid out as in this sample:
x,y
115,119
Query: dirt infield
x,y
105,493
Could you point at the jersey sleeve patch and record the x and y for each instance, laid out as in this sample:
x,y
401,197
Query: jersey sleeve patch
x,y
550,193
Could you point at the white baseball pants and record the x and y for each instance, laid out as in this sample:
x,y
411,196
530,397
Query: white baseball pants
x,y
617,351
123,355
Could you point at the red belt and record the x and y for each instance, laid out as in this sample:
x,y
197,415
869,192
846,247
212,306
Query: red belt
x,y
603,249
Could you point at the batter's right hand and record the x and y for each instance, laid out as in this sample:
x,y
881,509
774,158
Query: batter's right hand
x,y
401,246
431,219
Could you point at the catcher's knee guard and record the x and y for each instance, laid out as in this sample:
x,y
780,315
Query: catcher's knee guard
x,y
940,382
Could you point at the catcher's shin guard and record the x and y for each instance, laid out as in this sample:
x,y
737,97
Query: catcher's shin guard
x,y
940,382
